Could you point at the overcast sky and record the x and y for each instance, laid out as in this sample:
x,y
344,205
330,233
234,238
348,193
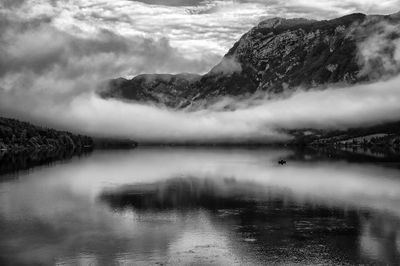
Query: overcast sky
x,y
201,31
53,55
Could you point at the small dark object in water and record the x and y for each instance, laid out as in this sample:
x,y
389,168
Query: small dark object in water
x,y
282,162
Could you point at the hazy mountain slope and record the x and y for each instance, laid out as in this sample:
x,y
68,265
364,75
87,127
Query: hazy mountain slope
x,y
171,90
278,54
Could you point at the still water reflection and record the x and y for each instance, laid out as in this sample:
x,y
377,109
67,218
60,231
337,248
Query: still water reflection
x,y
179,206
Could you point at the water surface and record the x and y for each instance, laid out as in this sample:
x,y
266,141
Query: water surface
x,y
202,206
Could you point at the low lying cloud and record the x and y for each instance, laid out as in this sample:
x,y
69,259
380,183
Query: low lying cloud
x,y
332,108
379,53
227,66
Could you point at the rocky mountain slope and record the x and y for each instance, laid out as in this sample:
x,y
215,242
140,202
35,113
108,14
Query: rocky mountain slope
x,y
275,56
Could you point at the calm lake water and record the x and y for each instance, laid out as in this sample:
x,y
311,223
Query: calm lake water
x,y
202,206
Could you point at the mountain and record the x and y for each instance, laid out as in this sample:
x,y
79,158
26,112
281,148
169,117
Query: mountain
x,y
276,56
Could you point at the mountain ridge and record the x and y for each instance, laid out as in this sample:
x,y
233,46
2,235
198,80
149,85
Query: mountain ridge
x,y
276,55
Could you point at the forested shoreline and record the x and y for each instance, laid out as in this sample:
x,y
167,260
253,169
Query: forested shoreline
x,y
18,137
22,137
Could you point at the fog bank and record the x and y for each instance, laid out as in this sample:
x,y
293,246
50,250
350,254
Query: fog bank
x,y
331,108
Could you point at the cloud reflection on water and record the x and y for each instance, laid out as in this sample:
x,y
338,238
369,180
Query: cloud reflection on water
x,y
251,209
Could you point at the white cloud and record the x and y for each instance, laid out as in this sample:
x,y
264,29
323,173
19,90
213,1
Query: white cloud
x,y
331,108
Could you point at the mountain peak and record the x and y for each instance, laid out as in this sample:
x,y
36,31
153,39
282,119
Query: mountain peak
x,y
277,55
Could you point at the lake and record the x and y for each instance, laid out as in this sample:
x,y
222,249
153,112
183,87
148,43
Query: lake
x,y
203,206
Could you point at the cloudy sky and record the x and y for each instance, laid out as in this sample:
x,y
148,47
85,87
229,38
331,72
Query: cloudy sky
x,y
54,53
163,35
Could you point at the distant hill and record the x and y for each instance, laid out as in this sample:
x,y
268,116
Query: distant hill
x,y
277,55
17,136
379,136
22,137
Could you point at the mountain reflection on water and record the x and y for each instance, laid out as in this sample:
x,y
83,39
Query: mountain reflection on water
x,y
203,206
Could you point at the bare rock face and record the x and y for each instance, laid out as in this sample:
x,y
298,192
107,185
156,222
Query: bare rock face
x,y
275,56
283,53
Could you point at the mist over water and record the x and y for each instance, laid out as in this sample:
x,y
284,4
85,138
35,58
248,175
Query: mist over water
x,y
207,206
360,105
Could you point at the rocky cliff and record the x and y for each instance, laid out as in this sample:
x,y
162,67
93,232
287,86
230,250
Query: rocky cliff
x,y
275,56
